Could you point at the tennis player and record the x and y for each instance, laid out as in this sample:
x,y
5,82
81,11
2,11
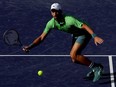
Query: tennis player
x,y
81,36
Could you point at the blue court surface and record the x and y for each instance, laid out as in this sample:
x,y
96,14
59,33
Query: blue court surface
x,y
58,71
29,17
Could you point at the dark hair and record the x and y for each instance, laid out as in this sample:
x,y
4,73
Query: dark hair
x,y
59,11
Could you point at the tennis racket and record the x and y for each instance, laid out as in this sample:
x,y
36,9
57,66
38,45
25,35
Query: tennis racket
x,y
11,37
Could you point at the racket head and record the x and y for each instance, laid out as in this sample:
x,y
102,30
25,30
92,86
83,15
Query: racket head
x,y
11,37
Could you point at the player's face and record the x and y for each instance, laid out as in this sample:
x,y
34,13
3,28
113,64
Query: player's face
x,y
54,13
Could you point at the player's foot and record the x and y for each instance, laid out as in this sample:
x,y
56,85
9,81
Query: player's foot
x,y
98,70
90,74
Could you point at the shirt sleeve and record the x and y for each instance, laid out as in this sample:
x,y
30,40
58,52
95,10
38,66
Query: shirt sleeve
x,y
49,26
77,23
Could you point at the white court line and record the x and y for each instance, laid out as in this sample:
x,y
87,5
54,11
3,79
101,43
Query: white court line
x,y
53,55
111,71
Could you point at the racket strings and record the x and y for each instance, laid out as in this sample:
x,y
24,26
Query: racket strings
x,y
11,37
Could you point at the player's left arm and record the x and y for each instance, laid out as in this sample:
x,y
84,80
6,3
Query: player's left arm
x,y
97,40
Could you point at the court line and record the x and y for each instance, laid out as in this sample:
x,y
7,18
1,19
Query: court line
x,y
111,71
54,55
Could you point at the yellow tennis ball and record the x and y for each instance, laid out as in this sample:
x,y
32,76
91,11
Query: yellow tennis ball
x,y
40,73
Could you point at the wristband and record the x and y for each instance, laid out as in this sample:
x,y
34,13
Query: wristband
x,y
31,45
93,35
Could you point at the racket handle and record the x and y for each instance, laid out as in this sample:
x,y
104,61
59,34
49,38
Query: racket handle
x,y
25,49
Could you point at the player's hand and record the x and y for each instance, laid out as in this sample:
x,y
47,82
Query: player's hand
x,y
26,49
98,40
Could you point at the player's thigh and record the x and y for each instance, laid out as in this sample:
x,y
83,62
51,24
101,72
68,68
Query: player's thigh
x,y
80,43
75,48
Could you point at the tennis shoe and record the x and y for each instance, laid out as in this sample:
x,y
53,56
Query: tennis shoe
x,y
97,73
90,74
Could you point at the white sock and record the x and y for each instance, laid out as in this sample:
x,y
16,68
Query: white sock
x,y
91,65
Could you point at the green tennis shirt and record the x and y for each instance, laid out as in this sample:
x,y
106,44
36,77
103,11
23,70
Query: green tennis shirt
x,y
70,25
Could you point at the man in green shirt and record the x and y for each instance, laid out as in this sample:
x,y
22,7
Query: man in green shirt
x,y
81,36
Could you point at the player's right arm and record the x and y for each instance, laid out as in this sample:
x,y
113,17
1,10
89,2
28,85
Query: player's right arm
x,y
39,39
36,42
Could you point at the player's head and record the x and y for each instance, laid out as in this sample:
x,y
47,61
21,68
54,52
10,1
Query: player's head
x,y
56,10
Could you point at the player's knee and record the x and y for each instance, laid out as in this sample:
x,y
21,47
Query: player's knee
x,y
73,56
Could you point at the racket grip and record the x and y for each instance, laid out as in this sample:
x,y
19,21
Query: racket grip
x,y
25,49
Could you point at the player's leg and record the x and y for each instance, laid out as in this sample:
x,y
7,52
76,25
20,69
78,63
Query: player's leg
x,y
76,51
76,56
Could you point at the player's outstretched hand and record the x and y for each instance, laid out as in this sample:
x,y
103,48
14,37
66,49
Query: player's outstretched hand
x,y
98,40
26,49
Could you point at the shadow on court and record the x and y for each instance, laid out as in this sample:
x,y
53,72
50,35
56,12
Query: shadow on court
x,y
107,79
